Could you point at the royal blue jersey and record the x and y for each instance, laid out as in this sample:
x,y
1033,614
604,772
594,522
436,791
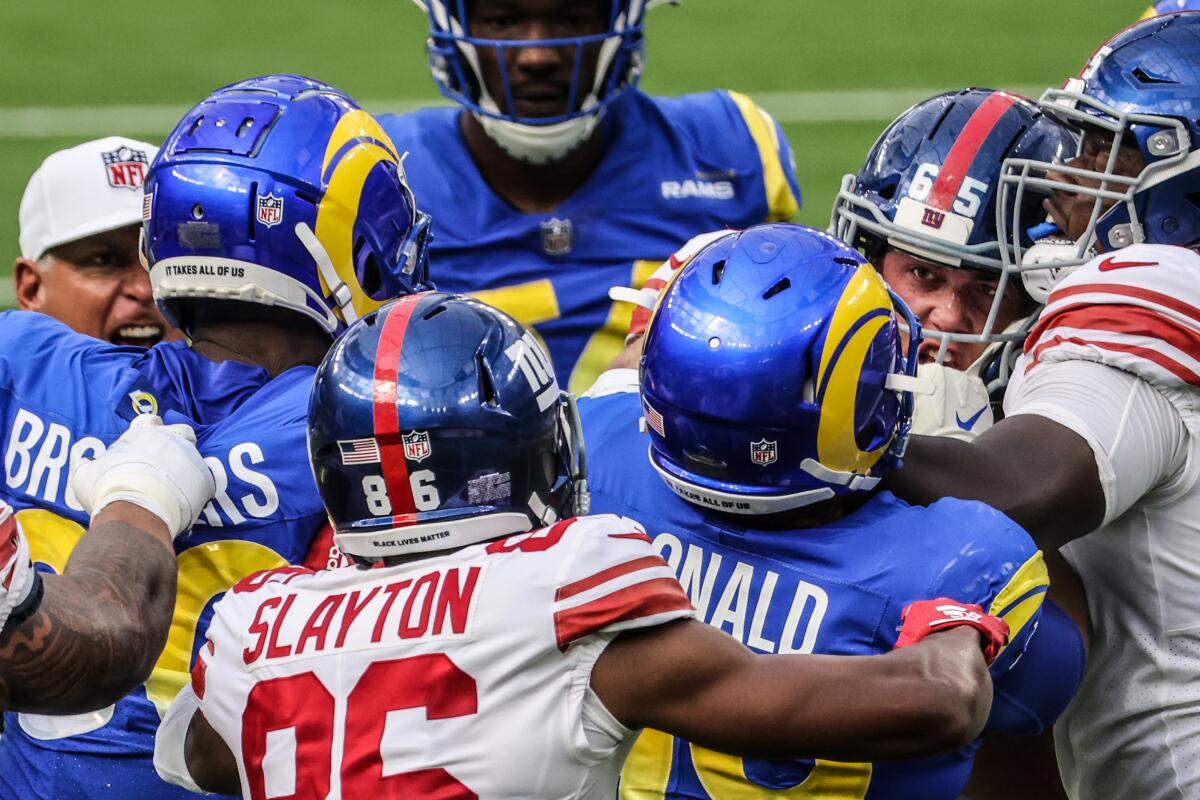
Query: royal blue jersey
x,y
672,168
64,396
836,589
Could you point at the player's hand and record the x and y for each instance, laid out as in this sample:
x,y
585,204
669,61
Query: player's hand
x,y
925,617
646,298
151,465
956,406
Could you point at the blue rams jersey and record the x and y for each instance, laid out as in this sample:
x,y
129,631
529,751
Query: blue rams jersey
x,y
63,397
673,168
836,589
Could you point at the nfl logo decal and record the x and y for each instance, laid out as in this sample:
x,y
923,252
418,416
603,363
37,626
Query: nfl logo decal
x,y
416,446
764,452
125,168
270,210
558,237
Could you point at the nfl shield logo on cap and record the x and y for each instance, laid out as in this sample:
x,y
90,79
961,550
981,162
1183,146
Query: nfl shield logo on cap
x,y
558,236
763,452
125,168
270,210
416,446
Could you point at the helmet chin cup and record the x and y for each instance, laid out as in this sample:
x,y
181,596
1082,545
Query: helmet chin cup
x,y
540,144
1046,262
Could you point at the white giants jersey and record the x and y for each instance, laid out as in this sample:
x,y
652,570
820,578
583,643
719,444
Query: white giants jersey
x,y
460,676
16,570
1115,357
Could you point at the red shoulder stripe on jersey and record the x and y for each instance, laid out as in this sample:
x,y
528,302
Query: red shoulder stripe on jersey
x,y
966,147
1131,320
387,417
642,537
1171,365
645,599
605,575
1164,300
256,580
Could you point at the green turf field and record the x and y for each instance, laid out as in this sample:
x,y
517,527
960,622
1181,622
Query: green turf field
x,y
75,69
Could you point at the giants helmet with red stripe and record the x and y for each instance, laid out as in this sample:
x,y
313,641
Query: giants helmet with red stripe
x,y
930,185
436,422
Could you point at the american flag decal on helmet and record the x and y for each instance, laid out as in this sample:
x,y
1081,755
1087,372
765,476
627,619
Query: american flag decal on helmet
x,y
654,419
359,451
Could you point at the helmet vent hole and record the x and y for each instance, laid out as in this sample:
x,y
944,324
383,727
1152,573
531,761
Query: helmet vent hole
x,y
308,197
195,126
1146,77
434,312
718,271
845,261
245,127
487,385
888,192
781,285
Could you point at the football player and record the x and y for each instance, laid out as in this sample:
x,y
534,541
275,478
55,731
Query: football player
x,y
80,641
1097,453
557,177
774,390
80,217
505,647
276,212
923,208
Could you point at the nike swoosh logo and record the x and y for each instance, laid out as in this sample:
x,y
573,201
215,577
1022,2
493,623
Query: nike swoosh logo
x,y
969,422
1111,263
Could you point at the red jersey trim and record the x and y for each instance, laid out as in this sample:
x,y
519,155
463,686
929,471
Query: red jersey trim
x,y
645,599
605,575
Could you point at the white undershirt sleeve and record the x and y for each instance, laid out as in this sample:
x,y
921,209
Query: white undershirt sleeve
x,y
169,756
1136,434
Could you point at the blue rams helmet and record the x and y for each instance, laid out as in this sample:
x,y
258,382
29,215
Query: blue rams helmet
x,y
1170,7
618,53
436,422
773,375
1138,95
281,191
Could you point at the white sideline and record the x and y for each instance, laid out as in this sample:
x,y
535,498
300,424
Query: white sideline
x,y
853,105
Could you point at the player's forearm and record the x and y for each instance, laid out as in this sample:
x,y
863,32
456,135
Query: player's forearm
x,y
101,625
1039,473
917,701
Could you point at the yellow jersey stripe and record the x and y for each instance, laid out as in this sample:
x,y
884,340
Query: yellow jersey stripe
x,y
781,202
1031,577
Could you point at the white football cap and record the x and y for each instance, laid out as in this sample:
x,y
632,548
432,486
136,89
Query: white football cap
x,y
84,190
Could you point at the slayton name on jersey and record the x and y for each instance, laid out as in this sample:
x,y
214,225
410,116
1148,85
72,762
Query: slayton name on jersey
x,y
39,456
437,604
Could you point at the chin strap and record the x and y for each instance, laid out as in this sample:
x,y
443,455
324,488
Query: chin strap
x,y
339,292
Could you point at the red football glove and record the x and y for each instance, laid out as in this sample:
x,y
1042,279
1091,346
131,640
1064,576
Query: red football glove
x,y
645,299
930,616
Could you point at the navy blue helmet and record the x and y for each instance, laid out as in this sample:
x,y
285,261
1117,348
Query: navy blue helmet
x,y
281,191
436,422
930,183
1139,95
931,186
773,375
